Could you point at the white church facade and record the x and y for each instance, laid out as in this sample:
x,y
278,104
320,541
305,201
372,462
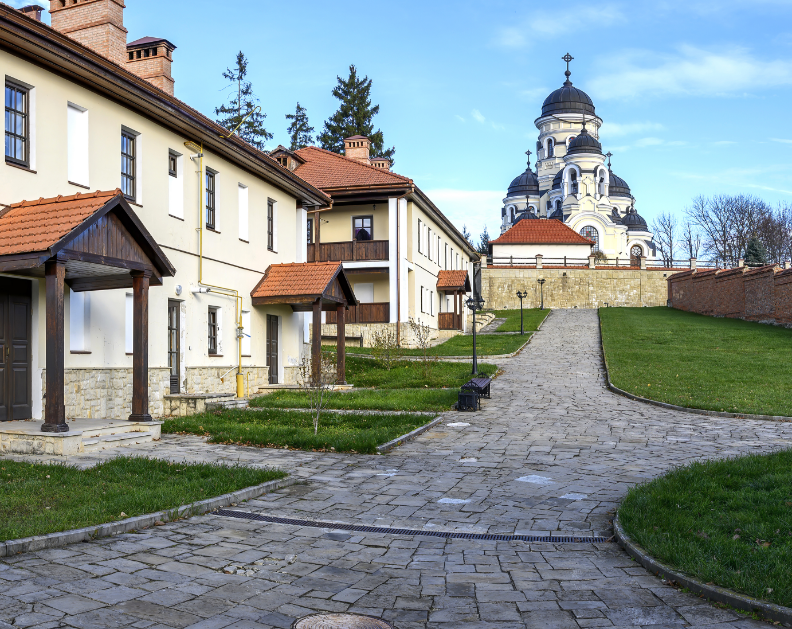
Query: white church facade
x,y
574,184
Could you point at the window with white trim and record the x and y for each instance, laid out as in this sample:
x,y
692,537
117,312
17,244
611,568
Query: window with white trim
x,y
79,321
17,124
129,323
175,184
243,213
77,144
246,340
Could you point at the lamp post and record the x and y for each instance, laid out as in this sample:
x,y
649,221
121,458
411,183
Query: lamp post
x,y
522,295
475,303
541,291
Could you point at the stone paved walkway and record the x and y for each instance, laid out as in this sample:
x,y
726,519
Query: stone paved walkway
x,y
552,452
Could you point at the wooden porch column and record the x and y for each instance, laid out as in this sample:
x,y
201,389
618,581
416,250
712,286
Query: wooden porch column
x,y
55,410
316,347
140,375
341,363
461,310
318,245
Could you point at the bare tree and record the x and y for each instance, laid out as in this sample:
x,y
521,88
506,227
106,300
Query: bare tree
x,y
665,228
317,387
691,239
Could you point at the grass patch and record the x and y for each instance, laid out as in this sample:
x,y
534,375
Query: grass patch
x,y
36,499
532,318
367,400
462,345
406,374
699,362
294,429
725,522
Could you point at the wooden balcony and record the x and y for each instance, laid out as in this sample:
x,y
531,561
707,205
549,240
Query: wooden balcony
x,y
449,321
349,251
364,313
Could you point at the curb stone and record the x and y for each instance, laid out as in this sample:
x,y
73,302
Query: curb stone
x,y
674,407
715,593
387,447
63,538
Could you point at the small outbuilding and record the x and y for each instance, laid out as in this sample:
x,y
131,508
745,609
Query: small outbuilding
x,y
550,239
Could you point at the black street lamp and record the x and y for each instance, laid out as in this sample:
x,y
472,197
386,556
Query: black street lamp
x,y
541,291
522,295
475,303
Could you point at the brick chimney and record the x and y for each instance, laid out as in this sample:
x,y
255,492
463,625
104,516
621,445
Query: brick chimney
x,y
150,58
381,162
32,11
357,147
97,24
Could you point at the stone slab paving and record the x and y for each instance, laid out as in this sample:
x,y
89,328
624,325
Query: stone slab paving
x,y
553,451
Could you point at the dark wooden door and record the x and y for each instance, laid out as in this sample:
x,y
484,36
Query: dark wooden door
x,y
174,345
272,348
15,345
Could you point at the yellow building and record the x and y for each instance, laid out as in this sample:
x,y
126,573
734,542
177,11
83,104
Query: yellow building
x,y
395,244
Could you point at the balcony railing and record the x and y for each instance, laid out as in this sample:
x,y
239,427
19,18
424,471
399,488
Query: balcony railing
x,y
349,251
449,321
364,313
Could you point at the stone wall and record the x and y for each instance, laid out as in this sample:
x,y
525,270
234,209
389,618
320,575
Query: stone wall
x,y
367,331
761,294
574,287
107,393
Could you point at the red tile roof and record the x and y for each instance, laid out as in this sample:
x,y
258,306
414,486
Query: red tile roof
x,y
453,280
541,231
32,226
306,279
326,170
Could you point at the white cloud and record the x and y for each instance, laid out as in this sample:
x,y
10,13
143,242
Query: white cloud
x,y
781,140
615,129
688,71
544,24
478,116
473,208
460,118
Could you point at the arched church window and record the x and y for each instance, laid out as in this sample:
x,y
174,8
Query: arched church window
x,y
550,147
574,181
559,204
592,234
635,255
602,184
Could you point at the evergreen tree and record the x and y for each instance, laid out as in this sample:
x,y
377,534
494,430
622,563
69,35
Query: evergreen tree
x,y
484,239
299,129
355,116
466,235
755,252
241,103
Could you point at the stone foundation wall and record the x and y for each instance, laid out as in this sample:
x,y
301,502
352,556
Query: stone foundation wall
x,y
574,288
107,393
367,331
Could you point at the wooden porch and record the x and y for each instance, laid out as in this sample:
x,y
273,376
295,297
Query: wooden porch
x,y
349,251
364,313
456,284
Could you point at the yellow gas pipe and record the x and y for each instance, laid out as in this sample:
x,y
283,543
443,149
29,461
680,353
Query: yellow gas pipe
x,y
228,292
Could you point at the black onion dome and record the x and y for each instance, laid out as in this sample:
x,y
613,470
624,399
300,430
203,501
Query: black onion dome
x,y
618,187
634,221
526,214
558,214
584,142
568,100
525,184
558,179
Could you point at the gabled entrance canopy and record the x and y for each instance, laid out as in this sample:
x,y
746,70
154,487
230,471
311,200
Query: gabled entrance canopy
x,y
311,287
88,242
457,284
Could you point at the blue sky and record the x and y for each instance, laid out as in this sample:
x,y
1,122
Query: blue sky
x,y
695,95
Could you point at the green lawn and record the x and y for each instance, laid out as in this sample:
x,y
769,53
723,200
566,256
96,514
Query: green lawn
x,y
462,345
725,522
294,429
532,318
36,499
407,374
369,399
699,362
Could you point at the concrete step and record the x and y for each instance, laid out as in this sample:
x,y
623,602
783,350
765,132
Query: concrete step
x,y
115,428
213,405
92,444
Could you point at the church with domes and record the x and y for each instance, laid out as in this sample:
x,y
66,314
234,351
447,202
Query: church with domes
x,y
574,184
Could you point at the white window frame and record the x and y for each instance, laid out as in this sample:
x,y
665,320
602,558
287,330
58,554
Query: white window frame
x,y
129,310
79,321
77,141
244,213
420,228
176,187
138,162
246,331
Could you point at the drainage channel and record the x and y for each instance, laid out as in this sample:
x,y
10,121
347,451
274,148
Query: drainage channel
x,y
553,539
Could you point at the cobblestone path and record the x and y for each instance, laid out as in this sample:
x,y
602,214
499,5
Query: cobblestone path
x,y
553,451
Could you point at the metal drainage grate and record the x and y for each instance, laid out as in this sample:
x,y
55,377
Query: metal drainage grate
x,y
340,621
243,515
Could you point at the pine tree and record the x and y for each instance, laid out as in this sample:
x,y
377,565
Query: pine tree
x,y
755,252
299,129
466,235
484,239
241,103
355,116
